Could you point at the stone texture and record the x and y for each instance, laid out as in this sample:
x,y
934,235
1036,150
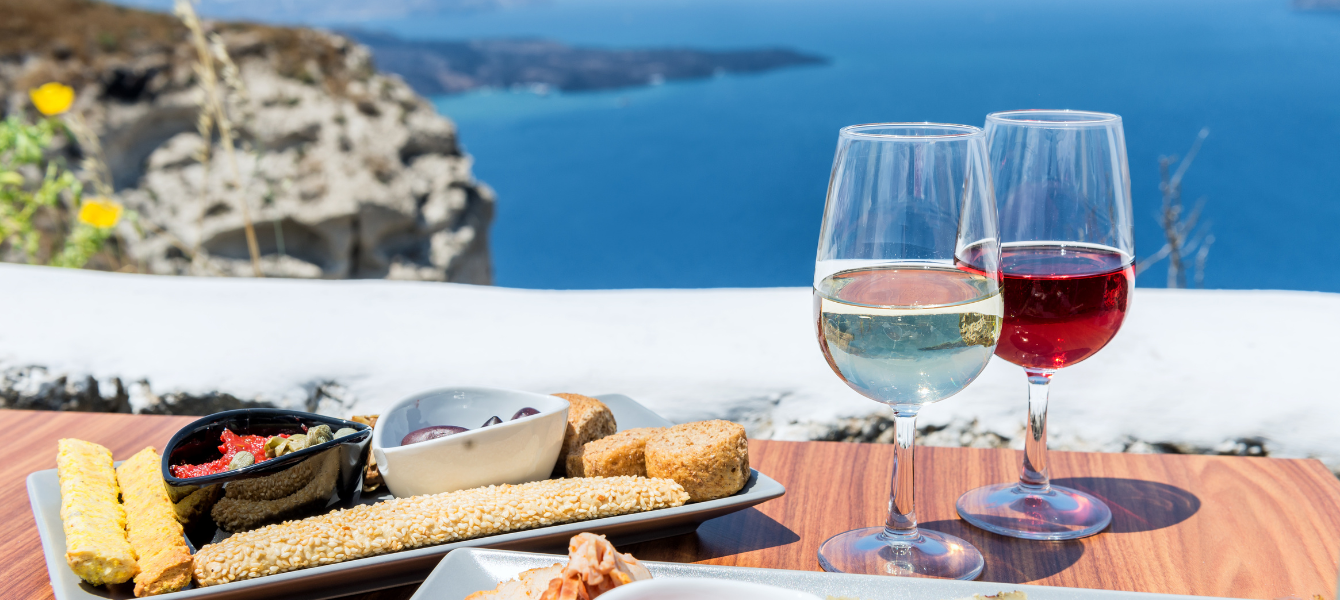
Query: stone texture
x,y
347,172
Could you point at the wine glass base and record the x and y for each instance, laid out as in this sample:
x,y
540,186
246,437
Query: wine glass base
x,y
871,551
1010,509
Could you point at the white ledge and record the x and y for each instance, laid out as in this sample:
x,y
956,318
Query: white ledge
x,y
1196,367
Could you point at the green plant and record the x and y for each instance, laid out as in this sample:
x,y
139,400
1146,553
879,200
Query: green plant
x,y
44,218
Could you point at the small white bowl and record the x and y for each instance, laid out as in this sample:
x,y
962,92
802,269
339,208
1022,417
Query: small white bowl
x,y
511,452
702,589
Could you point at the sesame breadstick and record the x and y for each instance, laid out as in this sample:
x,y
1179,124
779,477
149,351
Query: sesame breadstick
x,y
95,524
418,521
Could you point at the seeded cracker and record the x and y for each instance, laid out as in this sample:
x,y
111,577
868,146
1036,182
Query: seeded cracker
x,y
418,521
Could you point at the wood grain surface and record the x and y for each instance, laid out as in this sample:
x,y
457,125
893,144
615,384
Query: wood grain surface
x,y
1200,525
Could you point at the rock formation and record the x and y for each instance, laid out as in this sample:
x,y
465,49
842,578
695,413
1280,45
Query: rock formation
x,y
348,173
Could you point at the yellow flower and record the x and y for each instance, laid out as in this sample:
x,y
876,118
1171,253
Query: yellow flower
x,y
100,212
52,98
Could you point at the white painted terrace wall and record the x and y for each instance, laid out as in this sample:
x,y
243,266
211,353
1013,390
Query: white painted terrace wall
x,y
1189,366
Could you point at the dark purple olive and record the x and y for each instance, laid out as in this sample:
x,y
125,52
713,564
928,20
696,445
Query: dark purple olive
x,y
431,433
525,412
494,420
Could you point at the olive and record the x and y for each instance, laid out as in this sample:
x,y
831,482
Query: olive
x,y
525,412
494,420
431,433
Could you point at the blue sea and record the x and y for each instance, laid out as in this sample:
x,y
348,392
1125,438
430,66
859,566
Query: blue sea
x,y
721,182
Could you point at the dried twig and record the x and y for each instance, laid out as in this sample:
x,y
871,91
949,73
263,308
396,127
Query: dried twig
x,y
1185,236
207,73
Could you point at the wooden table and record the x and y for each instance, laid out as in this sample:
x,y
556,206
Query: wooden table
x,y
1202,525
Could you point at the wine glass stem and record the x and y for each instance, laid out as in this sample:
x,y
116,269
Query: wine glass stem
x,y
902,523
1035,476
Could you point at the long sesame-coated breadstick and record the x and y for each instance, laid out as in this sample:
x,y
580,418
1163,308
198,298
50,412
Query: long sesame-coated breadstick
x,y
406,523
152,526
95,524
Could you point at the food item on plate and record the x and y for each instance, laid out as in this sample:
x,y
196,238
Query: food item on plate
x,y
250,503
291,444
431,433
417,521
319,435
618,454
528,585
241,460
230,445
372,478
197,503
709,458
151,526
588,420
96,547
525,412
594,567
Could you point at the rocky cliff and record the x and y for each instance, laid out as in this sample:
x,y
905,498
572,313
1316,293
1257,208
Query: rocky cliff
x,y
347,172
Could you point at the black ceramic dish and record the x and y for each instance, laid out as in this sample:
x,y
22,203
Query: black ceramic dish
x,y
199,442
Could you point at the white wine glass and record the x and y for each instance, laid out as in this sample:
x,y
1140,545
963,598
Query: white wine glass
x,y
907,308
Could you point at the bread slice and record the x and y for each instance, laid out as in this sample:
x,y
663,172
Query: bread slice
x,y
710,459
612,456
588,420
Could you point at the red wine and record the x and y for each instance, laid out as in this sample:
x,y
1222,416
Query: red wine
x,y
1062,303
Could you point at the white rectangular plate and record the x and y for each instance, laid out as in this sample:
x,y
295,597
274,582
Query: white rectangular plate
x,y
410,566
469,570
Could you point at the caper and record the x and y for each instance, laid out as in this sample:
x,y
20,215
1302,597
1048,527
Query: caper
x,y
240,460
273,446
345,431
319,435
296,443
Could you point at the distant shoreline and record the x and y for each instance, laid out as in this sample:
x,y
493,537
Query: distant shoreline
x,y
454,67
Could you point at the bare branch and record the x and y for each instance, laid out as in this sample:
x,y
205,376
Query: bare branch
x,y
1190,156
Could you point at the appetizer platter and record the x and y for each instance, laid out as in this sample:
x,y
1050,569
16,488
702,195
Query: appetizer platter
x,y
274,502
483,574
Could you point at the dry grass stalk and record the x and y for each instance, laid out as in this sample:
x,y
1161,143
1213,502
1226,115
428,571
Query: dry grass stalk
x,y
215,104
1185,236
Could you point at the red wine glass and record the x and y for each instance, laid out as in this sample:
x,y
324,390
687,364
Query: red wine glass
x,y
1067,248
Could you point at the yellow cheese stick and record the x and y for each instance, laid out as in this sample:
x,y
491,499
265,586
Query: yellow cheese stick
x,y
152,526
95,524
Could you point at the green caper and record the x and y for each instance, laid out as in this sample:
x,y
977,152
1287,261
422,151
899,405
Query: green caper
x,y
296,443
273,445
345,431
319,435
240,460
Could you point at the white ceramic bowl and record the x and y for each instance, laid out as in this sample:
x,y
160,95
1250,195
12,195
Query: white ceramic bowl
x,y
690,588
511,452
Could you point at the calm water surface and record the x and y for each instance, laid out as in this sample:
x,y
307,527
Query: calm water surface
x,y
721,182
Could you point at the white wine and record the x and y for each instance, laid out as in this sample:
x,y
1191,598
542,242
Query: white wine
x,y
908,335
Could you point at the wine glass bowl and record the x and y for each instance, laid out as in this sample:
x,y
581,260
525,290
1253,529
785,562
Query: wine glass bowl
x,y
907,308
1067,258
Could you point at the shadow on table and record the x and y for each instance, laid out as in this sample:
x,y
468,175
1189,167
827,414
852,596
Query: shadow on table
x,y
1013,561
1137,505
744,531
